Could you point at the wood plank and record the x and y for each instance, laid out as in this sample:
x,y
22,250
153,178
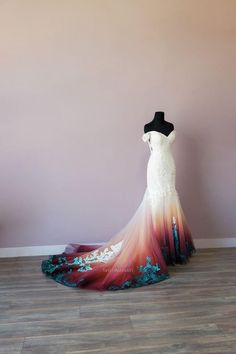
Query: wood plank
x,y
193,311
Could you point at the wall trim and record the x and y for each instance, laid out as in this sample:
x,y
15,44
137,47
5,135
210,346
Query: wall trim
x,y
56,249
35,250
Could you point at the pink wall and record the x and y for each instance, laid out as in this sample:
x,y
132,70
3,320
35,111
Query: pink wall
x,y
79,79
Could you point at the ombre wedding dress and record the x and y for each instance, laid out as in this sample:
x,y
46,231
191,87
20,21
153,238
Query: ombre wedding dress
x,y
139,254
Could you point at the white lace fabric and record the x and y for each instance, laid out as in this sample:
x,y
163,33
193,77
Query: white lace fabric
x,y
161,170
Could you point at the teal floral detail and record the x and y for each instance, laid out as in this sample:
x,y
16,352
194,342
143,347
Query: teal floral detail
x,y
83,266
49,267
51,271
176,241
148,276
149,271
59,265
60,278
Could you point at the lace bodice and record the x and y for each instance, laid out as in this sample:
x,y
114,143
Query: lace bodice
x,y
161,165
157,140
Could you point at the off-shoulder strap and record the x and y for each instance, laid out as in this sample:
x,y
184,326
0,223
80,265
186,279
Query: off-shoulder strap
x,y
146,137
171,136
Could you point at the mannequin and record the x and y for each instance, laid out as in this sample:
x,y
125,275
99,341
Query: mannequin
x,y
159,124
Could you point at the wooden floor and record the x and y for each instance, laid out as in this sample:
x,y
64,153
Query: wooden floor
x,y
194,311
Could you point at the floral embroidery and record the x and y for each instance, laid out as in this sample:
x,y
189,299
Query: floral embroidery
x,y
84,264
149,276
105,255
49,267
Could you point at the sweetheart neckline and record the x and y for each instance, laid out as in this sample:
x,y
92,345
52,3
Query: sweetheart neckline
x,y
166,136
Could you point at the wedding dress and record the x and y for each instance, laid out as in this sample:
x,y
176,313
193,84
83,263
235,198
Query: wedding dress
x,y
139,254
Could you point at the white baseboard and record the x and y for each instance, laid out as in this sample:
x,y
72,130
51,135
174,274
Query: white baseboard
x,y
56,249
31,251
35,250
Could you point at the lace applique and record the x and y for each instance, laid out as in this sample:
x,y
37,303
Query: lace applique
x,y
83,263
148,276
104,255
96,256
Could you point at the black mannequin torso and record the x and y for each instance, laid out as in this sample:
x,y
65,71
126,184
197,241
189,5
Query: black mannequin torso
x,y
159,124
